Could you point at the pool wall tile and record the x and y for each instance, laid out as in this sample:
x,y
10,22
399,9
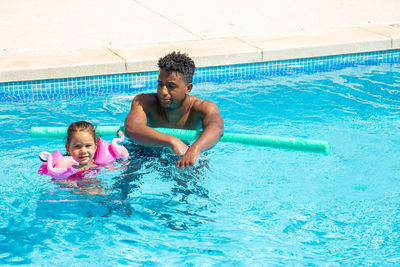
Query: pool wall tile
x,y
211,52
59,64
346,41
132,83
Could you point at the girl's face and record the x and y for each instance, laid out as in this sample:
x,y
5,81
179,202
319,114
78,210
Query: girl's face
x,y
82,148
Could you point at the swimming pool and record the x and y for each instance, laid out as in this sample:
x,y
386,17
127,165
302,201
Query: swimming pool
x,y
242,205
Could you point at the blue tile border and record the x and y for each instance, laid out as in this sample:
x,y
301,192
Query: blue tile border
x,y
65,88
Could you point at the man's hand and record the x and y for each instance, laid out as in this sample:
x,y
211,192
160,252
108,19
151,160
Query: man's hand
x,y
189,158
178,147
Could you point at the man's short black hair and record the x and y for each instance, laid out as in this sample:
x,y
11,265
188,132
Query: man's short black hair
x,y
178,62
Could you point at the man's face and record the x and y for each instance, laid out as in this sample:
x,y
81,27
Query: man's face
x,y
171,89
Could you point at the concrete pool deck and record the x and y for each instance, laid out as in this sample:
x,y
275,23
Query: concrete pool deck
x,y
47,39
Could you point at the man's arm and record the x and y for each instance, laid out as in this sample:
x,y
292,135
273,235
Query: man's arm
x,y
136,128
213,128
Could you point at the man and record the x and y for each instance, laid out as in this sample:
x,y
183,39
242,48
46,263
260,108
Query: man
x,y
173,107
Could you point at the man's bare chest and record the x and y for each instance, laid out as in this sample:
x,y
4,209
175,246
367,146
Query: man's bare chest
x,y
189,120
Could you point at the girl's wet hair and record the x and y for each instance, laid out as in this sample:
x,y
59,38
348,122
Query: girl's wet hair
x,y
80,126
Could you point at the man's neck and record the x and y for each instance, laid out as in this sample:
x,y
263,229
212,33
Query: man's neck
x,y
175,116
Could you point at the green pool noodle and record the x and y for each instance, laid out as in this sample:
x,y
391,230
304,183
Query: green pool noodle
x,y
189,135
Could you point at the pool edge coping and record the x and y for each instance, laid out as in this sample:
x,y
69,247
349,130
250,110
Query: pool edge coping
x,y
206,53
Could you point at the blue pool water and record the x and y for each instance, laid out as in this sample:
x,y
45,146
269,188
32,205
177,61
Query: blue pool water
x,y
240,205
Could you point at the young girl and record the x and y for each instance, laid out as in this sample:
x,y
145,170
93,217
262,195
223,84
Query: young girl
x,y
85,153
82,145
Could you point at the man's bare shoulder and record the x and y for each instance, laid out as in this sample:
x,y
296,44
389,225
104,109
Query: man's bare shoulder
x,y
147,101
203,106
145,98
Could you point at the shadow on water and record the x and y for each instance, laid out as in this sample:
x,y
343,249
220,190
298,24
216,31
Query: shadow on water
x,y
163,163
159,164
145,160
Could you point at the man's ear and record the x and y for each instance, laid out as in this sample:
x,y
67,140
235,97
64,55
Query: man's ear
x,y
189,87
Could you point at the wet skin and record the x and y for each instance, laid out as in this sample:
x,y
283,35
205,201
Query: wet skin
x,y
82,148
173,107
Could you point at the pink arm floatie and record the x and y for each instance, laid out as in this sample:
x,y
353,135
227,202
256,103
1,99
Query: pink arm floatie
x,y
61,167
108,153
57,165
